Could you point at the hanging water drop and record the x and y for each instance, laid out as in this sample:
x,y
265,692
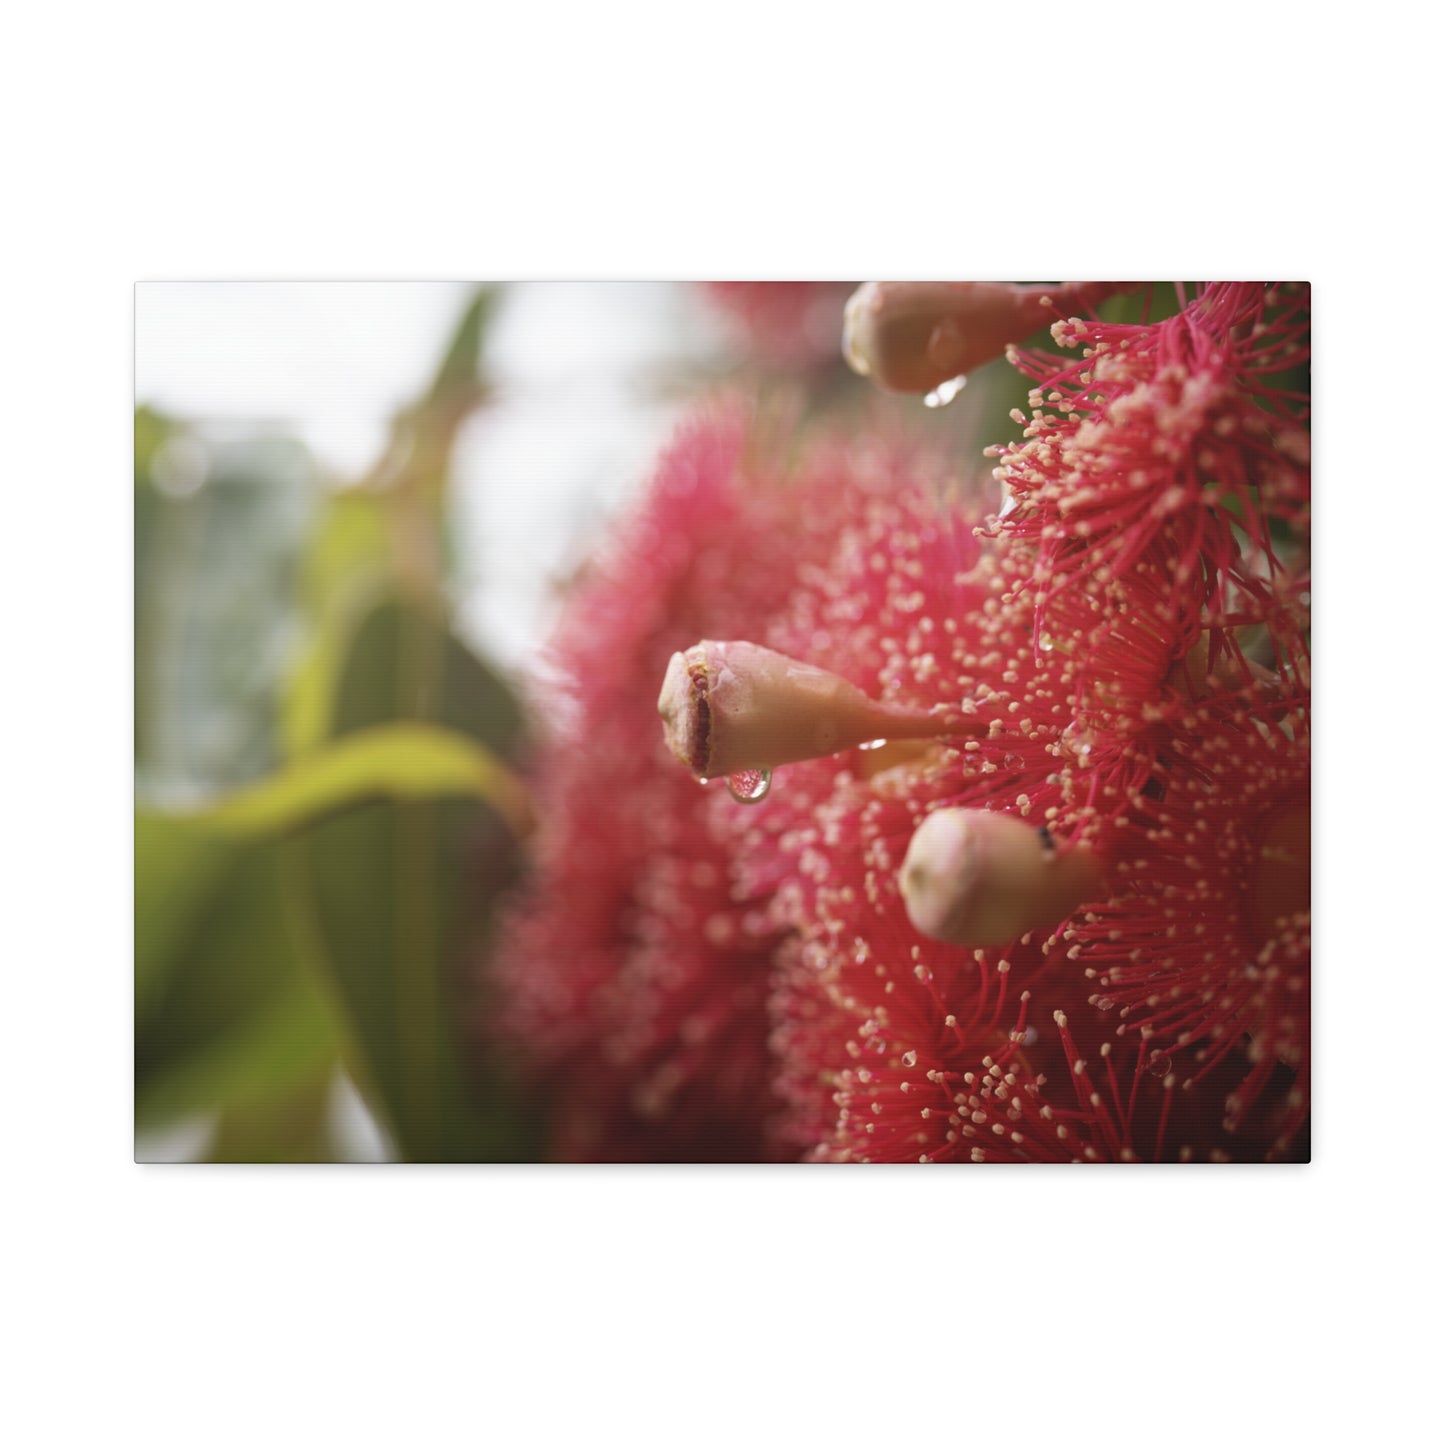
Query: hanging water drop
x,y
1160,1064
750,785
1046,643
945,392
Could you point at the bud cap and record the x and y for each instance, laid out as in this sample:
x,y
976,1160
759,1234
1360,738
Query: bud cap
x,y
981,879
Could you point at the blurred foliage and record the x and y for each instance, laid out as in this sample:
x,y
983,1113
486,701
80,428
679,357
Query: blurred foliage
x,y
319,761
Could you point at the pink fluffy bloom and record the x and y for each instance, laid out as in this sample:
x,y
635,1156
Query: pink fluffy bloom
x,y
1205,946
634,980
922,1015
1098,948
631,974
1164,443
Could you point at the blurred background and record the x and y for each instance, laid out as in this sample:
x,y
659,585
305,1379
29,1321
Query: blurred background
x,y
356,509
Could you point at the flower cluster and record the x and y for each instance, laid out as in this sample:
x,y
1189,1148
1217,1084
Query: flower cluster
x,y
1033,881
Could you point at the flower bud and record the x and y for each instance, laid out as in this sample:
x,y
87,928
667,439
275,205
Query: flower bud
x,y
731,706
982,879
914,335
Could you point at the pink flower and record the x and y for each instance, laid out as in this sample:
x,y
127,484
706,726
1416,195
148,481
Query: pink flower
x,y
1058,907
1157,446
1204,947
633,984
631,980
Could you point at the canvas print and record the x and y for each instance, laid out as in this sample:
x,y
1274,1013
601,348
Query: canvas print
x,y
723,722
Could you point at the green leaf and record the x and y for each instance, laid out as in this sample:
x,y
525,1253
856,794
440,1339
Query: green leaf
x,y
283,1045
397,898
228,1012
460,369
289,1127
397,760
229,1009
179,869
387,532
346,569
151,431
405,663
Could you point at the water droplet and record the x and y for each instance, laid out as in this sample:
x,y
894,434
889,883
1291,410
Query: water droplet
x,y
1103,1002
1013,762
1160,1064
751,785
703,782
945,392
870,747
1046,643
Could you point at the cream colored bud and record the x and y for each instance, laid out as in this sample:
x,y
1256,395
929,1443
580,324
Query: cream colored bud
x,y
731,706
982,879
913,336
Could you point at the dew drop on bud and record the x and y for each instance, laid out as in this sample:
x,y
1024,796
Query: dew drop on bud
x,y
945,392
751,785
